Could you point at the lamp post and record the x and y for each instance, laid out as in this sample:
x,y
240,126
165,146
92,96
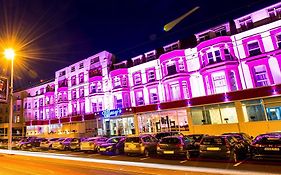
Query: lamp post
x,y
10,54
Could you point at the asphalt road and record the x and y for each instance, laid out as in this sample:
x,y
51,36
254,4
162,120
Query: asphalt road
x,y
26,165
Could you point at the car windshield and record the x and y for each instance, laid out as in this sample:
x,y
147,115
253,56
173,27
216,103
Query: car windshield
x,y
90,139
133,139
213,141
171,140
54,139
196,138
60,139
113,140
272,139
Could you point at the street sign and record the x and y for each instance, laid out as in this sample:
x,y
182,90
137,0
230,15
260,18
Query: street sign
x,y
4,89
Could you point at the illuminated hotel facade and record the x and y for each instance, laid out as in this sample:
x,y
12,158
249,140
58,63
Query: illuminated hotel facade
x,y
229,82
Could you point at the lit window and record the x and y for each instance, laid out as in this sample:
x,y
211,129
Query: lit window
x,y
175,89
254,48
219,82
261,76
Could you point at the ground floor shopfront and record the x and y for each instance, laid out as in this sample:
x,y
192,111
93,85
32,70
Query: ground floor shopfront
x,y
253,111
17,131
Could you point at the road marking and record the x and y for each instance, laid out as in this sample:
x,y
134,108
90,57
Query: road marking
x,y
144,158
183,161
113,156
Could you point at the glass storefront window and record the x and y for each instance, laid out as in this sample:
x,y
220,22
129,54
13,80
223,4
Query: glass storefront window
x,y
119,126
175,120
253,110
273,108
214,114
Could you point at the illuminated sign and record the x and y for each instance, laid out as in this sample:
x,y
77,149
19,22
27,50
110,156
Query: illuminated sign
x,y
111,113
4,89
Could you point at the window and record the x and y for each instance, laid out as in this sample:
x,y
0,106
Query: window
x,y
126,100
227,55
150,56
95,60
214,114
253,110
273,108
73,80
151,76
210,57
153,96
62,73
208,85
100,106
275,12
137,79
219,82
99,87
139,98
93,88
81,78
278,39
181,66
94,107
246,23
137,61
124,82
74,109
119,103
81,65
232,79
174,90
254,48
261,76
73,94
81,92
185,90
72,68
204,37
221,32
218,56
171,69
116,82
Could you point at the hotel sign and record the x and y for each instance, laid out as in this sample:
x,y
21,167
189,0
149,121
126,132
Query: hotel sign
x,y
111,113
4,90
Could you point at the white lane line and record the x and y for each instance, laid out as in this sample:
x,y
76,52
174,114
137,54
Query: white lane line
x,y
144,158
183,161
139,164
113,156
239,163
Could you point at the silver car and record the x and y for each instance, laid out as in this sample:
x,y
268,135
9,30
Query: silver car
x,y
47,143
92,143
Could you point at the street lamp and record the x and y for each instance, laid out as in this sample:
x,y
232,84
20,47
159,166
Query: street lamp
x,y
10,55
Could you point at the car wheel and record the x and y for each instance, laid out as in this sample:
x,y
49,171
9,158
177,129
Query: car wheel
x,y
146,153
187,155
21,148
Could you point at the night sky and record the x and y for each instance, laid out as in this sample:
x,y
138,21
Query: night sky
x,y
52,34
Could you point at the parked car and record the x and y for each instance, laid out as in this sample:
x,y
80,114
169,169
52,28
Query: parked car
x,y
57,144
196,143
47,143
161,135
143,144
175,146
15,141
75,144
244,139
266,146
224,146
92,143
114,145
28,143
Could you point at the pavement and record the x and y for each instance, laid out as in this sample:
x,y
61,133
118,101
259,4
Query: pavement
x,y
79,163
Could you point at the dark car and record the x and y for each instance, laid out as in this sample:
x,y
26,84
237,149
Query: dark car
x,y
143,145
224,146
114,145
175,146
196,143
266,146
161,135
244,139
29,142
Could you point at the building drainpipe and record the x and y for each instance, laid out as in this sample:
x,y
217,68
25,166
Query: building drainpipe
x,y
240,63
136,124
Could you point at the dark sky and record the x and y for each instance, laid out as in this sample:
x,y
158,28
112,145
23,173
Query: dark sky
x,y
53,34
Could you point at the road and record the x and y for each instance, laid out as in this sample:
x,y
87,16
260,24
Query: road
x,y
79,163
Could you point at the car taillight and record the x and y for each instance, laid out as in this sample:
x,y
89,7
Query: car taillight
x,y
158,146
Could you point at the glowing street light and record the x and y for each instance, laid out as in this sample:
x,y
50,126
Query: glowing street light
x,y
10,55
